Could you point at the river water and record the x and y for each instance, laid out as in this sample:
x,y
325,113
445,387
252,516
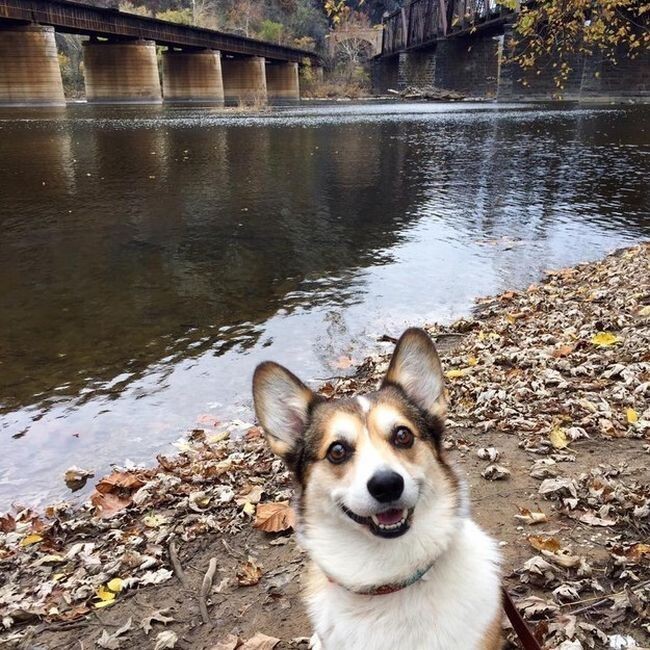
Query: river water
x,y
150,258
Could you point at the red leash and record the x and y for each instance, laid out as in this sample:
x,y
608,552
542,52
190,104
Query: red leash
x,y
528,641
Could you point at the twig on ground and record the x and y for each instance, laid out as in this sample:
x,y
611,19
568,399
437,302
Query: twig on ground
x,y
176,563
205,590
604,600
232,551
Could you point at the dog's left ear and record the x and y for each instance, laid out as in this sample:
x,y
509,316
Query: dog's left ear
x,y
282,404
415,368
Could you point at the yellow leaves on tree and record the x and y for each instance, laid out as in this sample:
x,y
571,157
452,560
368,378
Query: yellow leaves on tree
x,y
338,10
556,33
274,517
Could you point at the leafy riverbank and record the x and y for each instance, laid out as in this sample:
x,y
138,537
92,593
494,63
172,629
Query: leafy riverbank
x,y
549,421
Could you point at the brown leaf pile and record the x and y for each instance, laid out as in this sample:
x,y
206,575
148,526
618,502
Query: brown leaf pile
x,y
55,565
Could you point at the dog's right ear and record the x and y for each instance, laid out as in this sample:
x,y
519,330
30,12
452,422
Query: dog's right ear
x,y
282,404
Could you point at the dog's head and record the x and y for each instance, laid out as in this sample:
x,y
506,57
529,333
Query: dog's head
x,y
378,499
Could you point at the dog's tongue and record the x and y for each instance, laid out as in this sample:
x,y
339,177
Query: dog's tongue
x,y
390,517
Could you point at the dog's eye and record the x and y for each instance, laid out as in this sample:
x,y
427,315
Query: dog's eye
x,y
403,438
337,453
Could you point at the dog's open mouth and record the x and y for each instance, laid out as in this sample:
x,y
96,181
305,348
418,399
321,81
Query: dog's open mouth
x,y
390,523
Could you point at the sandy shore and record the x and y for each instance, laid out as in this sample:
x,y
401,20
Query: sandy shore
x,y
549,422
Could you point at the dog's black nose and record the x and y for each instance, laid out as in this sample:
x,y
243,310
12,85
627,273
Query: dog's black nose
x,y
386,486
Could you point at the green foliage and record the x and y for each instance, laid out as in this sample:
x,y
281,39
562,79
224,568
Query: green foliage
x,y
182,16
70,56
271,31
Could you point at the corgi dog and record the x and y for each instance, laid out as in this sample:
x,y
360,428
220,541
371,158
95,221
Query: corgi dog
x,y
396,561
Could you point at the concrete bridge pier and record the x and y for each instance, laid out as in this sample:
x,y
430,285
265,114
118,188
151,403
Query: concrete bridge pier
x,y
417,68
469,65
121,72
282,82
192,76
385,74
244,80
29,67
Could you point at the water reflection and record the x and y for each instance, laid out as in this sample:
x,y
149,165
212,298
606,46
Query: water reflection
x,y
150,258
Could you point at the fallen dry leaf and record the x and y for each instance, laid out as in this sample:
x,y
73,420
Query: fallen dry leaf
x,y
116,584
563,351
488,453
249,573
558,438
604,339
159,616
76,477
109,504
495,473
533,606
113,641
154,520
106,594
543,543
274,517
119,481
28,540
593,520
254,496
7,523
260,642
231,642
166,639
531,517
559,486
563,558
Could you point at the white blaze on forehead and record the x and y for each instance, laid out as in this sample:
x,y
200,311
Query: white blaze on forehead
x,y
364,402
386,417
345,426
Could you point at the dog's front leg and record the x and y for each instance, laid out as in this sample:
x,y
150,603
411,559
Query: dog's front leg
x,y
315,643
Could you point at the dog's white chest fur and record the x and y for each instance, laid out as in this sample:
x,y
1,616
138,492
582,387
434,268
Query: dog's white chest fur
x,y
451,607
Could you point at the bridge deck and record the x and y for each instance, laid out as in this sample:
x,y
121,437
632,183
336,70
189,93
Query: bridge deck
x,y
423,22
77,18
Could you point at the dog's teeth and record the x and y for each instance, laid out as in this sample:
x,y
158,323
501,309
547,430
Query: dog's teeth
x,y
400,523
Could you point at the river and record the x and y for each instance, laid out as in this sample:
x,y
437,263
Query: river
x,y
151,257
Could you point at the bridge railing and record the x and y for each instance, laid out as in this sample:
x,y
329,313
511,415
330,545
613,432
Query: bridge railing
x,y
424,21
79,18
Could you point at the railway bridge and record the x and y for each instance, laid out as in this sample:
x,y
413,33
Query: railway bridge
x,y
121,64
465,45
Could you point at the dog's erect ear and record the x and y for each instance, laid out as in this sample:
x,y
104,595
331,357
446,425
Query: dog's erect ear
x,y
415,367
282,405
